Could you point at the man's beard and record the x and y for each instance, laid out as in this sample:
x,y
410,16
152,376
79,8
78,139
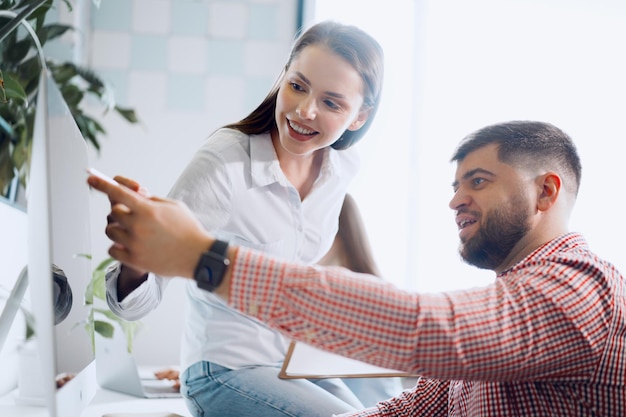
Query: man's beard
x,y
500,231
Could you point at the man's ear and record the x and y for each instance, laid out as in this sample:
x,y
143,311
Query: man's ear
x,y
550,188
360,120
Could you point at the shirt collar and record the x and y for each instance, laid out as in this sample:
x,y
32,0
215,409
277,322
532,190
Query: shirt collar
x,y
265,168
561,243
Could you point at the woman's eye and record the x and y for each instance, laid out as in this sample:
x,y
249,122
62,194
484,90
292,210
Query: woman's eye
x,y
331,104
296,86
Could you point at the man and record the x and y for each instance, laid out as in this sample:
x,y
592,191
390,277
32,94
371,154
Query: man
x,y
546,338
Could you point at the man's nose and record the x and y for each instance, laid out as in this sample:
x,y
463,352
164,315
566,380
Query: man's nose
x,y
459,199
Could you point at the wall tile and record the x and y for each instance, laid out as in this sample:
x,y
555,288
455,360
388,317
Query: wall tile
x,y
59,50
110,50
226,57
187,54
112,15
263,21
225,98
146,92
149,52
190,17
264,58
117,80
151,16
185,92
256,88
228,20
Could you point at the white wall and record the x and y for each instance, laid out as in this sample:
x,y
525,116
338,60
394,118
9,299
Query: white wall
x,y
488,61
475,63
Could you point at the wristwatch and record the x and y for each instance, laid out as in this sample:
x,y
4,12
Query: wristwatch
x,y
212,265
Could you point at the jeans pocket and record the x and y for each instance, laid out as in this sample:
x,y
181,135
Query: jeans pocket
x,y
191,381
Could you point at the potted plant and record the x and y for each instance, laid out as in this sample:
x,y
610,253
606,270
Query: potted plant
x,y
20,69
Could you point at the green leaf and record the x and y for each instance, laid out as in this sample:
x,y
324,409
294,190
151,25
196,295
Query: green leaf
x,y
19,50
6,167
90,128
41,11
14,90
128,114
72,95
93,79
130,328
103,328
97,286
49,32
63,73
21,150
29,72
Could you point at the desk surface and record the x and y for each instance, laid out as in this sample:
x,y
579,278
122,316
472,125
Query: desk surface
x,y
104,402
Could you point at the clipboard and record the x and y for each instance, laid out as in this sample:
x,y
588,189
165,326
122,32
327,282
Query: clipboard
x,y
306,361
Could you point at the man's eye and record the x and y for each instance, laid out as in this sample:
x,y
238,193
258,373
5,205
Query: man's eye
x,y
478,181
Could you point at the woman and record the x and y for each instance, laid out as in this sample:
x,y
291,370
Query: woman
x,y
274,181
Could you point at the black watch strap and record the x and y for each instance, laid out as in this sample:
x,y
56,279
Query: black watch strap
x,y
219,247
209,272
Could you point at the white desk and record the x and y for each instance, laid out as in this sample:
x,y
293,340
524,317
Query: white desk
x,y
104,402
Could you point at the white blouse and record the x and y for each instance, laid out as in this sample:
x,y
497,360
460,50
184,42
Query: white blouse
x,y
235,186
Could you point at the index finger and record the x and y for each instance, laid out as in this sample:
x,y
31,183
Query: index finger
x,y
116,192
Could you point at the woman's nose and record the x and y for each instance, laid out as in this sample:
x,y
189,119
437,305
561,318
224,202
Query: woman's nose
x,y
307,109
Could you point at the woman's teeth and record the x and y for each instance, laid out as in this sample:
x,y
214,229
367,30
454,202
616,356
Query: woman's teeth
x,y
300,129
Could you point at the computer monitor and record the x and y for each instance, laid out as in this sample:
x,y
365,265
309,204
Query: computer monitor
x,y
59,240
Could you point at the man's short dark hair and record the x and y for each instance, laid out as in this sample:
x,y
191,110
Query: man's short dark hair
x,y
528,144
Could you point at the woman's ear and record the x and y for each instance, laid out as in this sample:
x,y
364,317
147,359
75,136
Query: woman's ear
x,y
550,184
360,120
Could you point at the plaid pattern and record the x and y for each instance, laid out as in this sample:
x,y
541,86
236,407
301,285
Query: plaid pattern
x,y
547,338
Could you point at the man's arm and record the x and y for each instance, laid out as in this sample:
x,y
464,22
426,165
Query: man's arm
x,y
163,236
142,226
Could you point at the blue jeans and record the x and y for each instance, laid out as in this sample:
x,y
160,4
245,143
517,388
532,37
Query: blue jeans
x,y
211,390
372,390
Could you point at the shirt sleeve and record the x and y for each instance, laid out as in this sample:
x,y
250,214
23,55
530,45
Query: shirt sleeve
x,y
548,320
138,303
204,186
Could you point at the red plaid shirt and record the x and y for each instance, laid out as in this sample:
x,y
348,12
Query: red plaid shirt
x,y
547,338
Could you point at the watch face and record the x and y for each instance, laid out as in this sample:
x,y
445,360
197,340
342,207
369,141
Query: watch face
x,y
205,274
210,270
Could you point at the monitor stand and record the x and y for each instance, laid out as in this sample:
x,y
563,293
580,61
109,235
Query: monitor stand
x,y
13,305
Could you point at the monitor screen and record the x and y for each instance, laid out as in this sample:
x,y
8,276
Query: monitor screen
x,y
59,243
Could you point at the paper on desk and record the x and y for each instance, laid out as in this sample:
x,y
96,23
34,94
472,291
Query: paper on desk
x,y
306,361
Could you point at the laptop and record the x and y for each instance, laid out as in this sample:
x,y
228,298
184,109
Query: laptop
x,y
117,370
